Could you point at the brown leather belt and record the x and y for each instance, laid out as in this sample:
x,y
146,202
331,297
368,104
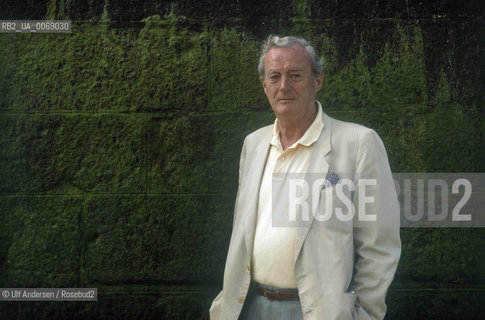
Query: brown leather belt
x,y
279,294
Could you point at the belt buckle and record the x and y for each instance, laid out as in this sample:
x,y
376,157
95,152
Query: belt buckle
x,y
278,296
272,294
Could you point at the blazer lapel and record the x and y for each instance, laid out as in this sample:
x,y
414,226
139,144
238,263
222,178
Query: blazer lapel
x,y
318,165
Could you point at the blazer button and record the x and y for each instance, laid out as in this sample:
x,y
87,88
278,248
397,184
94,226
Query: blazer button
x,y
240,300
248,267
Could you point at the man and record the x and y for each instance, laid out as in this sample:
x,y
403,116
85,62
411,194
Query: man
x,y
332,268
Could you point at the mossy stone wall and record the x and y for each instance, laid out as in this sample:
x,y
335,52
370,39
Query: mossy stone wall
x,y
119,142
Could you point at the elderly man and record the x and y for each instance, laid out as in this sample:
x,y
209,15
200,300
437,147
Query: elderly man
x,y
330,268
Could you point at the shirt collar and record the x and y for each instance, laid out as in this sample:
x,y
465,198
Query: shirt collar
x,y
311,135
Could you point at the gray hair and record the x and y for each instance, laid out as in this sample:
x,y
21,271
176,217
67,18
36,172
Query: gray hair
x,y
285,42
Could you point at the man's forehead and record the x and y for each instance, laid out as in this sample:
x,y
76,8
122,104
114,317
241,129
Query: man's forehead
x,y
294,57
291,69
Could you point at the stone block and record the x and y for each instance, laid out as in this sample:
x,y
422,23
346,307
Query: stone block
x,y
61,153
173,67
235,86
44,249
156,239
197,154
9,206
434,301
15,172
442,255
163,67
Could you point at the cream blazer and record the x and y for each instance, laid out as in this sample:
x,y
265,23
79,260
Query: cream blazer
x,y
343,269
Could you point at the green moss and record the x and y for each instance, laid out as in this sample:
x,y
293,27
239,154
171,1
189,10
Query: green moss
x,y
447,138
234,75
74,153
302,24
44,250
442,255
119,150
155,239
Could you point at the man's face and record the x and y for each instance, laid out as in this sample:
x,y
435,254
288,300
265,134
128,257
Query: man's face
x,y
289,84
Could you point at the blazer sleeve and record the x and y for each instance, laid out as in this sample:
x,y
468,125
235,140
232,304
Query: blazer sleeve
x,y
377,242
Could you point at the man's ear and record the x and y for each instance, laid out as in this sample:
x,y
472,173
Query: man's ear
x,y
262,83
319,81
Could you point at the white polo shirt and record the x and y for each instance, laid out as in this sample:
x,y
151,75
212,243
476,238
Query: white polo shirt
x,y
274,247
